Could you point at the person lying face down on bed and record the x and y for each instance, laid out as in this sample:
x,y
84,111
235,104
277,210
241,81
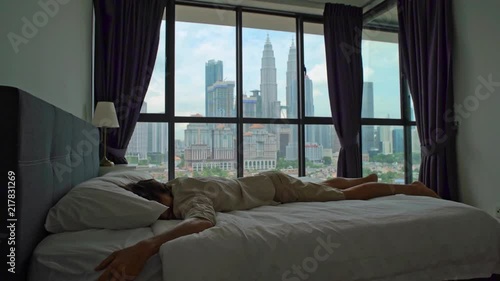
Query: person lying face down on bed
x,y
196,201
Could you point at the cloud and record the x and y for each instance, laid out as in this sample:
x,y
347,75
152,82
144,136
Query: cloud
x,y
318,73
156,104
317,93
368,73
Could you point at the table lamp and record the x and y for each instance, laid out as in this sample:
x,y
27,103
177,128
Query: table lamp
x,y
105,117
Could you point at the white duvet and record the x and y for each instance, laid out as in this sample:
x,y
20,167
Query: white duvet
x,y
391,238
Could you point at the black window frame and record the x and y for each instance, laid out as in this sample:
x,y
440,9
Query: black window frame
x,y
301,120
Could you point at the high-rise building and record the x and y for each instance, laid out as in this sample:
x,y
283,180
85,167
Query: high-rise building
x,y
385,138
252,105
309,98
291,82
292,105
314,152
214,71
220,99
268,83
259,149
138,145
310,130
367,111
398,141
209,147
158,140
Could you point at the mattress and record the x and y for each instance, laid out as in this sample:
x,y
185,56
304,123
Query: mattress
x,y
395,238
391,238
74,255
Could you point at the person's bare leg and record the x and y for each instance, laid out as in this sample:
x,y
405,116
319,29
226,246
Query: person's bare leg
x,y
373,190
343,183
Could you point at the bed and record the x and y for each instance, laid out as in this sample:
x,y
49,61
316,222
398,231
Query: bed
x,y
392,238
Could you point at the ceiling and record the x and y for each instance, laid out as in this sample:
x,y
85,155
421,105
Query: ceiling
x,y
386,17
314,7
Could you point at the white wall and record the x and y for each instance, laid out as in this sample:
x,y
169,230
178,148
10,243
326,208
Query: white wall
x,y
53,62
477,54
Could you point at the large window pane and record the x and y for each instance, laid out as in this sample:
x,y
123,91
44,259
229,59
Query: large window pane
x,y
317,101
269,66
416,153
381,91
269,147
321,151
206,150
148,149
383,153
155,96
205,47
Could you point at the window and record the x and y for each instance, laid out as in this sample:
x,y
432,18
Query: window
x,y
269,66
317,102
155,96
205,62
386,136
249,93
382,95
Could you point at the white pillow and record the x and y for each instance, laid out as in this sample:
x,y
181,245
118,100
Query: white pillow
x,y
103,203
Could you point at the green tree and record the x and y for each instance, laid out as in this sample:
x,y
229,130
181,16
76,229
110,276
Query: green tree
x,y
284,164
327,160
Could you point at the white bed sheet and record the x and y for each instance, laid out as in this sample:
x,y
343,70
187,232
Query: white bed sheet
x,y
392,238
74,255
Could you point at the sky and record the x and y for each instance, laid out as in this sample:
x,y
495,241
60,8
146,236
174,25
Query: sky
x,y
198,43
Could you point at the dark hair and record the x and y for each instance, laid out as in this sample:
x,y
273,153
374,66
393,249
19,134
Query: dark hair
x,y
149,189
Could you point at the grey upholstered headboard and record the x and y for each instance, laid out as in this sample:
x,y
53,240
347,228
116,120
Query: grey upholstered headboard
x,y
50,151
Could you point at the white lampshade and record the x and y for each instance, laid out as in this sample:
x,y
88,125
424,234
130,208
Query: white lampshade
x,y
105,115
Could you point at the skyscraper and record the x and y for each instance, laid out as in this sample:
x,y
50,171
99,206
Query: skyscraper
x,y
268,84
158,139
398,141
252,105
309,110
367,111
385,137
220,99
291,82
214,71
138,145
309,98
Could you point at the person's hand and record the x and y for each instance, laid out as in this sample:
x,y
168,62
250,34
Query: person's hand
x,y
126,264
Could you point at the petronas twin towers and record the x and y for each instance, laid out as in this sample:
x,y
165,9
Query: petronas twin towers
x,y
271,107
268,84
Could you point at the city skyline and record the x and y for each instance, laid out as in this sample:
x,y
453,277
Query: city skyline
x,y
380,61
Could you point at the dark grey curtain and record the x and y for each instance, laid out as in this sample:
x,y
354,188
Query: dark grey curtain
x,y
425,41
127,34
343,27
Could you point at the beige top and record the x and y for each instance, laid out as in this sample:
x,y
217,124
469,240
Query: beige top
x,y
201,197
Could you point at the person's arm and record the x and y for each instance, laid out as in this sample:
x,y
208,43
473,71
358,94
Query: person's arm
x,y
127,263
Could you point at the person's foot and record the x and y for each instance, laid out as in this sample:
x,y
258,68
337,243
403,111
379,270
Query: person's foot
x,y
423,190
372,178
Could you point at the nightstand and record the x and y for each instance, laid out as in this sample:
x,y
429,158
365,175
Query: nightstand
x,y
121,167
